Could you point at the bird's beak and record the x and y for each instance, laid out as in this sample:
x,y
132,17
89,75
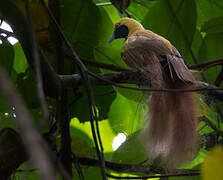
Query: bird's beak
x,y
111,38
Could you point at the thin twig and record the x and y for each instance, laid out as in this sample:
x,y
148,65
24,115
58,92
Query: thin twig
x,y
131,168
206,65
37,68
104,65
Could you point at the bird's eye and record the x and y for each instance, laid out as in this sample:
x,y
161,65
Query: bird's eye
x,y
121,31
117,25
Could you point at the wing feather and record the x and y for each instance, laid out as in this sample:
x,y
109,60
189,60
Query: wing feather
x,y
150,55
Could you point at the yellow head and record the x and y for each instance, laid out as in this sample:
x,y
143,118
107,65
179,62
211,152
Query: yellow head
x,y
124,28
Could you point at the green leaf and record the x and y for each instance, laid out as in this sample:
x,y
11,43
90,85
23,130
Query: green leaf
x,y
196,44
80,25
106,132
7,120
211,49
90,173
214,25
172,20
104,52
103,95
20,63
111,12
3,105
138,9
131,151
208,9
125,115
27,88
79,146
7,55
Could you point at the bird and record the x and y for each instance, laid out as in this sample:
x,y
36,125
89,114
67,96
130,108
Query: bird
x,y
170,131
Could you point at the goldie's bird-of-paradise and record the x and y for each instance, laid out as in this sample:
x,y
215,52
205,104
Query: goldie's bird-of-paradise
x,y
170,132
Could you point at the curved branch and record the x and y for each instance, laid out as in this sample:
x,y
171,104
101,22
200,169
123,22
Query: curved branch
x,y
206,65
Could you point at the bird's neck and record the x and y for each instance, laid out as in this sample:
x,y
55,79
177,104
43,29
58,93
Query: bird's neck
x,y
134,29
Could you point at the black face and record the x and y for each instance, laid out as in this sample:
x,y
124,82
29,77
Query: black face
x,y
121,32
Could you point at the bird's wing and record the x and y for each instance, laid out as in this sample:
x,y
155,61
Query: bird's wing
x,y
147,54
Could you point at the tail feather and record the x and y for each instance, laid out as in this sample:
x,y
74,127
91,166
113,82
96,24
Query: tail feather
x,y
172,126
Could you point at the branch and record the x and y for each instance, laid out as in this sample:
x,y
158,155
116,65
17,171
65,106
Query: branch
x,y
136,78
62,114
135,168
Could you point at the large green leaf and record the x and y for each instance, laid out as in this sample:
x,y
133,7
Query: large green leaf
x,y
208,9
131,151
106,132
27,88
138,9
214,25
103,51
7,120
211,49
126,116
6,55
170,18
3,105
81,22
90,173
103,95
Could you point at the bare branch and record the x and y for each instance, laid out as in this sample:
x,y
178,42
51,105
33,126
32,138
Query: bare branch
x,y
136,78
206,65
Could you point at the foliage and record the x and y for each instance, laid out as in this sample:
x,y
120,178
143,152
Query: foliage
x,y
193,27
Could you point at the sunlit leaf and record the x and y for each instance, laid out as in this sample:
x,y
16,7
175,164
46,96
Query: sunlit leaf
x,y
132,151
125,115
20,63
103,95
106,132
